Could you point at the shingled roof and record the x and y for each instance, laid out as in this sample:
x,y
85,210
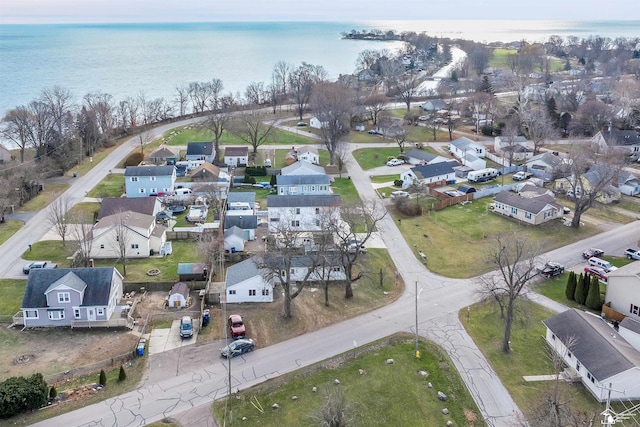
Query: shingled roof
x,y
331,200
535,205
114,205
149,170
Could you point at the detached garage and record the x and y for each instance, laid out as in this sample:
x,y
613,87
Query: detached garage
x,y
179,295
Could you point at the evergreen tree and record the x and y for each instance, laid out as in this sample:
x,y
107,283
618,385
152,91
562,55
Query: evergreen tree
x,y
122,375
103,378
570,290
53,393
567,65
581,289
273,181
454,76
552,110
485,85
593,297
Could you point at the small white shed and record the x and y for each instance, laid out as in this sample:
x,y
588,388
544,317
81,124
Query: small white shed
x,y
179,295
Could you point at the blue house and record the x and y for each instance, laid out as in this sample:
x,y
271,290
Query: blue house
x,y
200,151
292,185
144,181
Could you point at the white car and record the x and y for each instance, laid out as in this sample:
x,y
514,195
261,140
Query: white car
x,y
395,162
399,194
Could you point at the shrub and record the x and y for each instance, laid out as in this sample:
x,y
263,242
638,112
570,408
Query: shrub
x,y
122,375
19,394
570,290
580,295
134,159
273,180
593,297
390,158
398,183
248,179
103,378
407,207
53,393
255,170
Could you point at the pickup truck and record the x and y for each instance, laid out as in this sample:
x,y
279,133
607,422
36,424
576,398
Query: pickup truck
x,y
551,269
632,254
38,264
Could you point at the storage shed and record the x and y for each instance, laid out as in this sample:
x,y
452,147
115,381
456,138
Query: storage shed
x,y
192,271
178,295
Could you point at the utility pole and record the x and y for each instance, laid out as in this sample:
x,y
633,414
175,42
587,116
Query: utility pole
x,y
610,417
417,351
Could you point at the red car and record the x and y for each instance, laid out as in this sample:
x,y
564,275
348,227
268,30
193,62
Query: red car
x,y
236,326
592,252
600,273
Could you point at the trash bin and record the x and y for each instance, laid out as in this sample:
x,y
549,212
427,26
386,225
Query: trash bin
x,y
140,349
205,317
75,174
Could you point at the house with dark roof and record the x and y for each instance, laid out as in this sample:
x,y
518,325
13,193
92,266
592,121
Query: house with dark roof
x,y
627,140
517,146
113,205
532,210
140,233
200,151
241,198
145,181
595,351
416,156
76,297
236,156
299,185
178,295
247,221
331,269
164,155
245,282
599,177
428,174
545,165
302,213
628,183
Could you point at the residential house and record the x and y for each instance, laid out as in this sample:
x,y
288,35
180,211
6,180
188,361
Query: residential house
x,y
178,295
627,140
245,282
469,152
114,205
623,290
67,296
241,200
316,123
434,105
309,154
143,235
303,168
428,174
234,239
163,155
360,127
5,154
628,183
236,156
531,210
629,329
200,151
332,270
208,172
502,142
145,181
390,128
416,156
599,176
247,221
545,165
292,185
530,190
516,153
605,362
302,213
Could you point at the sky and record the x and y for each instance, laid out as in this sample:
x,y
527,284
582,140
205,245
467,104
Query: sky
x,y
93,11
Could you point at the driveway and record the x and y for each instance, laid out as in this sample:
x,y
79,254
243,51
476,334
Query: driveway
x,y
162,340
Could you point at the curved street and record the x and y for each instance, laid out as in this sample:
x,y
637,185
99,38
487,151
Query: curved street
x,y
439,300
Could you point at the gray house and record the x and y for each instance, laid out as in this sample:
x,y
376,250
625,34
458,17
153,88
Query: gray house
x,y
200,151
71,296
144,181
292,185
416,156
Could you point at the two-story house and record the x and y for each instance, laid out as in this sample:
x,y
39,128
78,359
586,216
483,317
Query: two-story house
x,y
142,235
300,185
302,213
63,296
303,168
144,181
200,151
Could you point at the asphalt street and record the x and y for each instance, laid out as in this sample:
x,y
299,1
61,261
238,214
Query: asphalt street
x,y
195,377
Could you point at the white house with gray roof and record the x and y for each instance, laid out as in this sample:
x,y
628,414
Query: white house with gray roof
x,y
143,235
428,174
309,154
302,185
302,167
67,296
145,181
416,156
463,146
245,282
592,348
302,213
533,209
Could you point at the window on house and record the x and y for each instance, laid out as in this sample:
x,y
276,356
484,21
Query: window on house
x,y
100,311
102,246
252,292
578,366
305,188
323,188
336,269
153,190
292,271
274,219
142,190
64,297
634,309
31,314
232,291
569,354
281,190
553,337
527,215
297,211
56,314
265,292
514,211
76,313
295,223
152,178
313,188
317,211
134,246
317,223
134,179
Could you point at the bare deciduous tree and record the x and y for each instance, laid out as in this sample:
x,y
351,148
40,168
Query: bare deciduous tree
x,y
375,104
181,99
341,156
336,411
538,127
16,127
58,216
332,103
81,234
250,127
301,83
515,258
122,238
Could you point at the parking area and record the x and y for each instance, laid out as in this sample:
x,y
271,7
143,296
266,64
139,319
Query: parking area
x,y
162,340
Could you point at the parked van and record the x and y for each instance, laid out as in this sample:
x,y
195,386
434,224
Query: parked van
x,y
599,262
186,327
183,192
267,163
483,175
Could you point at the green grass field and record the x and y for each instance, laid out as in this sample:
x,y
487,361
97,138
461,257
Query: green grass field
x,y
42,200
181,136
111,186
9,228
345,188
12,291
383,395
369,158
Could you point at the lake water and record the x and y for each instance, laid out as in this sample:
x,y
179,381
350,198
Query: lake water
x,y
129,59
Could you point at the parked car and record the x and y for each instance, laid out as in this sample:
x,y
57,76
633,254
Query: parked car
x,y
592,252
186,327
551,269
399,194
38,264
632,253
521,176
372,132
603,264
395,162
301,124
237,347
236,326
600,273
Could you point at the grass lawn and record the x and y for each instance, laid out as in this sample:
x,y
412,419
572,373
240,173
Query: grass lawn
x,y
85,210
379,179
111,186
261,193
628,203
472,227
50,250
181,136
345,188
529,355
499,57
43,199
9,228
12,291
369,158
384,395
